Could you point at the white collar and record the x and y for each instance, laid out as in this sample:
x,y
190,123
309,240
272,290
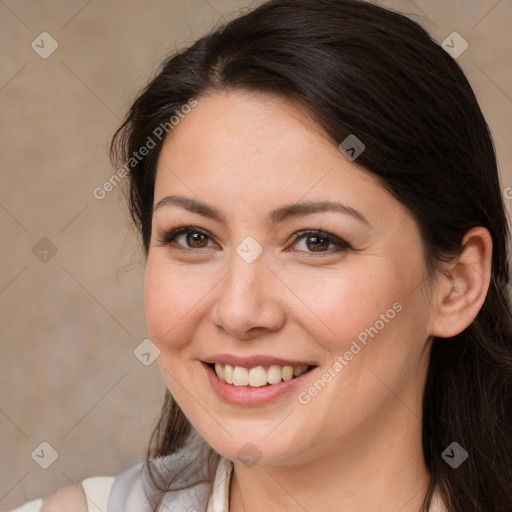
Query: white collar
x,y
219,497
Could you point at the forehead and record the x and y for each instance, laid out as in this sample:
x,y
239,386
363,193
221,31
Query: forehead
x,y
249,127
260,151
241,133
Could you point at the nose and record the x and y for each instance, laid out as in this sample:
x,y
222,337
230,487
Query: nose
x,y
249,303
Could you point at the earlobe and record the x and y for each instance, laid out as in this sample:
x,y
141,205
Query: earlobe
x,y
460,294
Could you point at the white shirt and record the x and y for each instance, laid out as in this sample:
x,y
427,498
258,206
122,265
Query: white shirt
x,y
125,492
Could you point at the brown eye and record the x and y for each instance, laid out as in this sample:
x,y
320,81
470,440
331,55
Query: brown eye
x,y
318,242
314,241
196,240
193,238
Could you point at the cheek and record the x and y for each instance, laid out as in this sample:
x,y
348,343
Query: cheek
x,y
368,317
338,304
170,295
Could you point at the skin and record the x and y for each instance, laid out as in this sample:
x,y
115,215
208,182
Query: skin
x,y
247,154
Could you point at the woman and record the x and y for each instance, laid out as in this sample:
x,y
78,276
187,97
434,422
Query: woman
x,y
326,281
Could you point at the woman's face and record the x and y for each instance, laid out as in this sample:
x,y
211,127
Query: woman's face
x,y
241,288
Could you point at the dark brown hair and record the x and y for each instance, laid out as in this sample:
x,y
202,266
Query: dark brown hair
x,y
357,68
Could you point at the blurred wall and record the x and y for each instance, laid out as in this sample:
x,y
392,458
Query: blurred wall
x,y
71,269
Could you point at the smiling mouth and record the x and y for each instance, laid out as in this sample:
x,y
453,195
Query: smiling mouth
x,y
258,376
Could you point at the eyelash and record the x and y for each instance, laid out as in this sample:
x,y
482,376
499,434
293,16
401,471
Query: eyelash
x,y
340,244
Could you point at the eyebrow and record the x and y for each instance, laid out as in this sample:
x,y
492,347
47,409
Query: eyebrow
x,y
275,216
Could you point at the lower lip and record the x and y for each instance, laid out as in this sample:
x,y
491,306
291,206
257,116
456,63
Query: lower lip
x,y
247,395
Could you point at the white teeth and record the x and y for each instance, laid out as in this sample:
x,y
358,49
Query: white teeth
x,y
257,377
228,374
240,376
287,372
274,374
219,369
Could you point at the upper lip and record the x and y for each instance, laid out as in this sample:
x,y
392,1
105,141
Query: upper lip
x,y
253,361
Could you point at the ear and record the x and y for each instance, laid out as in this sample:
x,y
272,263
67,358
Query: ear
x,y
459,295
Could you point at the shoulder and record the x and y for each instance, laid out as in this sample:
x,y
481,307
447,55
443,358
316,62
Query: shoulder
x,y
70,498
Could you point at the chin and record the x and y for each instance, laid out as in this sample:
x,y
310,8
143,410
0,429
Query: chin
x,y
255,448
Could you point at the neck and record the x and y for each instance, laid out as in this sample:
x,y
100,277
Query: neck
x,y
379,467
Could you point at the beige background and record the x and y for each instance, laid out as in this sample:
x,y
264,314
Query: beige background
x,y
69,326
